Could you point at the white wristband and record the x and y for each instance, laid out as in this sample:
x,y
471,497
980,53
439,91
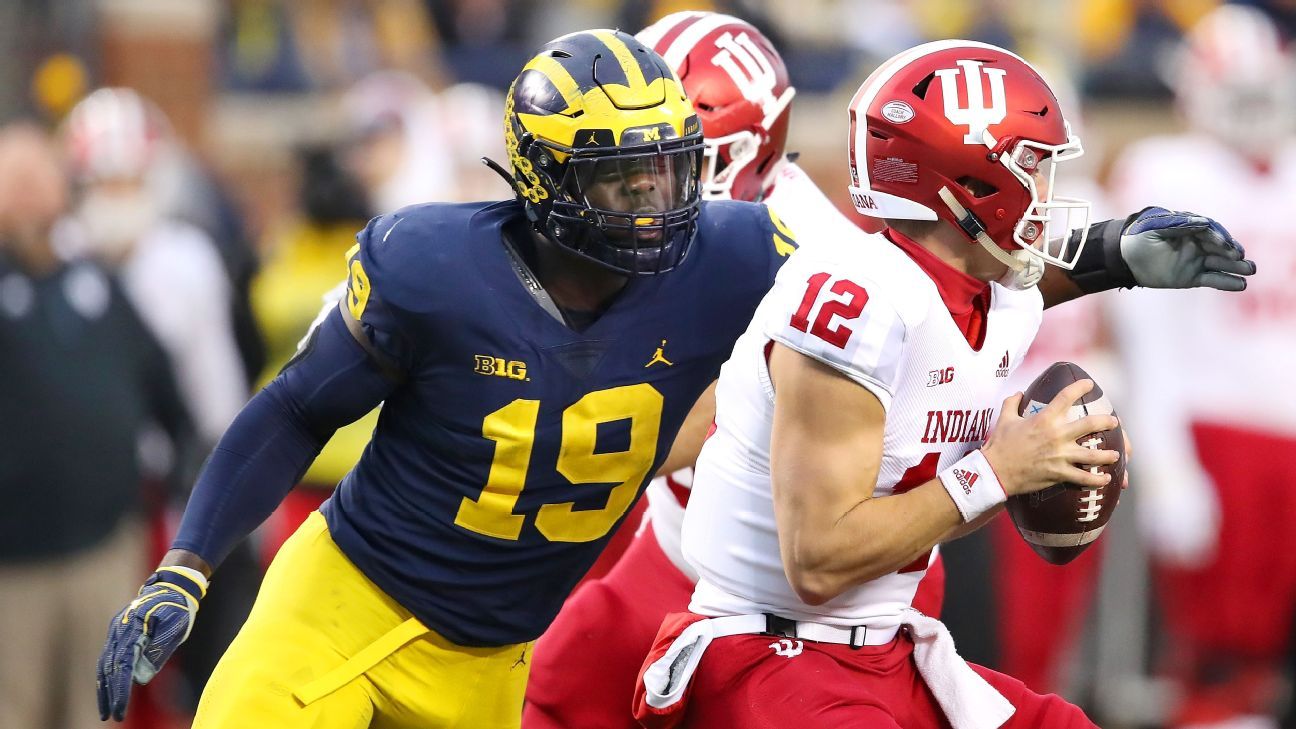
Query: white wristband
x,y
973,485
192,574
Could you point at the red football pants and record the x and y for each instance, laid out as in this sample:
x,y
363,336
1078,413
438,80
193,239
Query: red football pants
x,y
585,666
1230,620
1040,607
741,682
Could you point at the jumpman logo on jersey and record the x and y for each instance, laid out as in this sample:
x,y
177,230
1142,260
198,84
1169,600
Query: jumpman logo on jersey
x,y
659,356
521,661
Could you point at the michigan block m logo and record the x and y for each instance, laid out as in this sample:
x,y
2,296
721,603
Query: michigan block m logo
x,y
976,115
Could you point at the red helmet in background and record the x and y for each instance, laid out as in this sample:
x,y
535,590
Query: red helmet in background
x,y
114,133
739,86
966,132
1235,78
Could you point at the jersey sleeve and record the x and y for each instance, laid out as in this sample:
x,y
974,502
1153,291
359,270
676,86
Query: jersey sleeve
x,y
843,321
782,243
376,289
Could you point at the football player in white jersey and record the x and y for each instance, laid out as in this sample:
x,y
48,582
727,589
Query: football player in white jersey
x,y
853,420
585,665
1217,456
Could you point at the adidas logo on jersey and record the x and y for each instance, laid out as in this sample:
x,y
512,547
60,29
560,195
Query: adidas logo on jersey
x,y
1003,366
967,479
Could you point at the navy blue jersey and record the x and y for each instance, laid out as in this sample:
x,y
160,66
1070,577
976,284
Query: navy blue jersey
x,y
515,445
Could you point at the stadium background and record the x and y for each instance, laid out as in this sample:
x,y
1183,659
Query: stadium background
x,y
296,120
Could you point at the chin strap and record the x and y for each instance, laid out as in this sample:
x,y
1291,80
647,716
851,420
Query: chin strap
x,y
1024,269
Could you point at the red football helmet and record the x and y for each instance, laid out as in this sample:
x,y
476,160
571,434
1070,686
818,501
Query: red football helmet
x,y
965,132
739,87
114,133
1235,77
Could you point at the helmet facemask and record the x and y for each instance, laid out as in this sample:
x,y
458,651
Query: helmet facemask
x,y
719,173
633,210
1030,161
727,156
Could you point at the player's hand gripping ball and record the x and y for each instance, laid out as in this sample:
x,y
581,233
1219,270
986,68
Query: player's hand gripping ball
x,y
1062,520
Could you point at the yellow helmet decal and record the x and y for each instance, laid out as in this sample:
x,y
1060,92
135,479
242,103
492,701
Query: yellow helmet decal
x,y
633,92
531,189
629,64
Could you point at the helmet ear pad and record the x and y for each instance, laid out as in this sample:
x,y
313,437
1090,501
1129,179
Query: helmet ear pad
x,y
537,207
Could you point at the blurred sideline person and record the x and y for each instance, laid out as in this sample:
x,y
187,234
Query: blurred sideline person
x,y
189,191
301,271
116,143
82,376
586,663
410,145
1217,456
830,476
170,269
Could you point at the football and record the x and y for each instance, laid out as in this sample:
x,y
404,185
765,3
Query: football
x,y
1062,520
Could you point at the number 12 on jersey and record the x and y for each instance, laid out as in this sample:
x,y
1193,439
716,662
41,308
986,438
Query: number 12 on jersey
x,y
846,309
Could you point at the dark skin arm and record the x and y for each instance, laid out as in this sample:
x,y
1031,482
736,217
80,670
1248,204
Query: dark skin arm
x,y
185,558
688,442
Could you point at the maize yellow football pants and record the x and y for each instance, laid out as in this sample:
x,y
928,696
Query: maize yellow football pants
x,y
325,648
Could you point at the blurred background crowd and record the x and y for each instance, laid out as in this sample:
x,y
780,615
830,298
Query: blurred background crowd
x,y
180,180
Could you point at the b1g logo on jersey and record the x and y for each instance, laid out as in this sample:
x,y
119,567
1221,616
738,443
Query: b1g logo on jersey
x,y
500,367
976,115
940,377
750,70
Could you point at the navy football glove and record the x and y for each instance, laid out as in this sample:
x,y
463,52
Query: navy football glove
x,y
1167,249
145,633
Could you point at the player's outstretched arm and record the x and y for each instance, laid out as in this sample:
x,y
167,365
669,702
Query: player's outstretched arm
x,y
1154,248
331,382
825,455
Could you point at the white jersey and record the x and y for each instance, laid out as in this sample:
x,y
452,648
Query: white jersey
x,y
864,307
801,205
1078,330
176,280
1211,355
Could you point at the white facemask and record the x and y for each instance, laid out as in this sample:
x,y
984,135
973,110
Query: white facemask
x,y
115,223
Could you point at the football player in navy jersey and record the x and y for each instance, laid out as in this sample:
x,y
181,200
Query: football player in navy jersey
x,y
534,358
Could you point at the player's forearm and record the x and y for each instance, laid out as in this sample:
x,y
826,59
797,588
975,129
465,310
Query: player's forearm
x,y
1057,287
1099,268
255,465
688,441
827,553
966,528
274,439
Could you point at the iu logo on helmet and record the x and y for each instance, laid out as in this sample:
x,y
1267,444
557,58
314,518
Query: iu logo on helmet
x,y
750,70
976,115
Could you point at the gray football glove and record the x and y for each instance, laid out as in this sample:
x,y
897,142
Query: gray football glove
x,y
1166,249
